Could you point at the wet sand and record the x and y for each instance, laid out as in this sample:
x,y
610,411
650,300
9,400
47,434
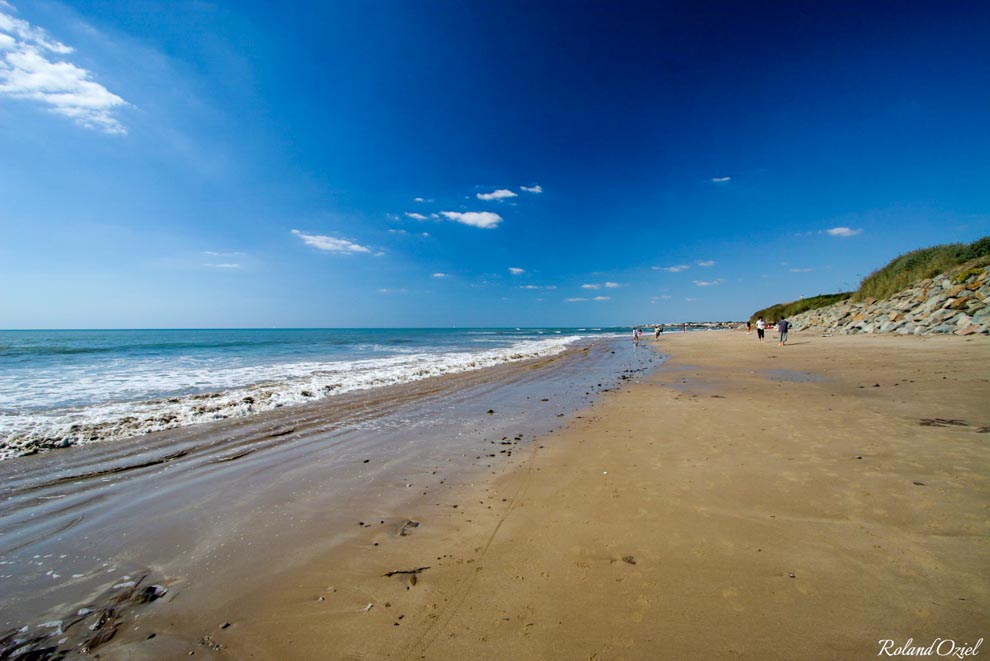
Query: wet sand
x,y
744,501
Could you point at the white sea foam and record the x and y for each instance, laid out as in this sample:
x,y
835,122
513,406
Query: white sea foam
x,y
220,392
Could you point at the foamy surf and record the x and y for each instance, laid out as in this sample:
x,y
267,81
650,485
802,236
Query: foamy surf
x,y
225,393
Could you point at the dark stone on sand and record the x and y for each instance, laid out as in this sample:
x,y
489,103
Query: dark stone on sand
x,y
225,625
629,560
918,484
366,461
149,594
491,411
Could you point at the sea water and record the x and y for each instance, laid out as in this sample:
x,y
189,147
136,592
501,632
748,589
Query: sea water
x,y
62,388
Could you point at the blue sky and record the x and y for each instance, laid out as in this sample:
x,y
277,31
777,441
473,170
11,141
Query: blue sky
x,y
238,164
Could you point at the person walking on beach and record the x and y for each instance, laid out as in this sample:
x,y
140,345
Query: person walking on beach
x,y
749,327
760,328
782,327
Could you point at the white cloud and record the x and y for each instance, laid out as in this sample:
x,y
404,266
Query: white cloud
x,y
672,269
422,199
482,219
500,194
27,73
515,270
574,300
398,232
690,300
536,188
425,235
440,275
392,291
607,285
602,298
707,283
416,216
843,231
721,180
706,262
214,253
612,285
223,266
591,286
800,270
330,244
548,287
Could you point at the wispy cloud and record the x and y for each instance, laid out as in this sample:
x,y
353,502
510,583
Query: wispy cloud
x,y
575,300
548,287
721,180
227,266
386,290
214,253
331,244
602,298
536,188
440,275
515,270
416,216
500,194
800,270
672,269
579,299
708,283
483,219
706,262
843,231
591,286
30,69
421,199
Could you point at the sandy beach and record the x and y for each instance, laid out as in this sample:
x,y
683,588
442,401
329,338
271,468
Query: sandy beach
x,y
744,501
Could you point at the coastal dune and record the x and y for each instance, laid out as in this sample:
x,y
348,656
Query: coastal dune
x,y
745,500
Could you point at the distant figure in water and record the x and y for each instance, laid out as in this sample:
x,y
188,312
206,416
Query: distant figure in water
x,y
782,327
656,333
684,329
760,328
635,337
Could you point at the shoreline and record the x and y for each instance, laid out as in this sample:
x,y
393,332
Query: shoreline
x,y
744,500
207,511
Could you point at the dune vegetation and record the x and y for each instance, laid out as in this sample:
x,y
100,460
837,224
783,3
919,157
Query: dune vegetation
x,y
900,273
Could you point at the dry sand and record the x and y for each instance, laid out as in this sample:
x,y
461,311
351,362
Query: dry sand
x,y
746,501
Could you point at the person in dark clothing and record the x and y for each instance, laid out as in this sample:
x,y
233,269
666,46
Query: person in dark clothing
x,y
782,327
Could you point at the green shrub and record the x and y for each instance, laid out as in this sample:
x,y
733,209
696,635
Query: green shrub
x,y
784,310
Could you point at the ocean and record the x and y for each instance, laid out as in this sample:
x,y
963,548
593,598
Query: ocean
x,y
60,388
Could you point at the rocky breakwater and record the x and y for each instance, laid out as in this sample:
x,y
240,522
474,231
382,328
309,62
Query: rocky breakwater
x,y
953,303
